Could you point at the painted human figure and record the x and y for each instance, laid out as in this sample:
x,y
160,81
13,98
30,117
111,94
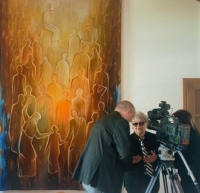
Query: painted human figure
x,y
80,81
18,84
95,63
74,45
62,119
78,134
55,91
92,28
29,70
94,117
62,70
81,59
102,78
63,115
16,122
27,153
86,39
53,150
32,30
93,99
37,55
46,72
101,109
26,51
94,44
28,96
79,103
48,24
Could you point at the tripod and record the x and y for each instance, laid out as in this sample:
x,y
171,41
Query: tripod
x,y
166,165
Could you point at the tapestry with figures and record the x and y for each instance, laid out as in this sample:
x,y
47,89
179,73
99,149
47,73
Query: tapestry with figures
x,y
60,65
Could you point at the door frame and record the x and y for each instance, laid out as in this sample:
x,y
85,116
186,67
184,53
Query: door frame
x,y
185,84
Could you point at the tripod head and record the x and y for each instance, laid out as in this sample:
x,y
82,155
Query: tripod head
x,y
165,154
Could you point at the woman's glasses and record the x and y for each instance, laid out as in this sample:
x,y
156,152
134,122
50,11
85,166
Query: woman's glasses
x,y
139,123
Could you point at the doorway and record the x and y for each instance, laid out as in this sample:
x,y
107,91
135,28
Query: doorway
x,y
191,97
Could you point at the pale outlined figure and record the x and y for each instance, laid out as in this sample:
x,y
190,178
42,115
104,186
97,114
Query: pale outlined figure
x,y
80,81
27,153
26,51
20,8
104,10
47,22
101,109
29,70
55,91
21,43
62,70
46,72
45,108
10,56
18,84
95,63
63,116
37,55
74,45
78,134
16,122
53,150
20,15
80,60
79,103
102,78
54,54
32,30
94,44
86,39
94,117
93,99
32,100
92,28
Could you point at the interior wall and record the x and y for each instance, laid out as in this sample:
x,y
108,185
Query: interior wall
x,y
160,46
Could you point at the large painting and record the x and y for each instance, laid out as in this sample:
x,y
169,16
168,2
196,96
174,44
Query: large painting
x,y
60,65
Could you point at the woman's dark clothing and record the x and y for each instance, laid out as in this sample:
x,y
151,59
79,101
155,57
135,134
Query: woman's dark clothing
x,y
135,179
192,157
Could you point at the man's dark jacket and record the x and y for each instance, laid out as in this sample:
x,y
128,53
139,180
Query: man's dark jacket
x,y
106,154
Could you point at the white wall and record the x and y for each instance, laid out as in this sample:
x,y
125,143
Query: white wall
x,y
160,46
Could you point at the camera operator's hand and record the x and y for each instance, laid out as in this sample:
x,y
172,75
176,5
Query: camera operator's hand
x,y
137,158
150,158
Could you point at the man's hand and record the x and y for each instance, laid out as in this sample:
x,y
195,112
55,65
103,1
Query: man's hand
x,y
137,158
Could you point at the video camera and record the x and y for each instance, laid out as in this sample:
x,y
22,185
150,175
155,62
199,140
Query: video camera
x,y
170,132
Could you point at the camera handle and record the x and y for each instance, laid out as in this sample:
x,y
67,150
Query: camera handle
x,y
167,169
189,172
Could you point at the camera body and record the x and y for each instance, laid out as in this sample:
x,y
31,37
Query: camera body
x,y
169,131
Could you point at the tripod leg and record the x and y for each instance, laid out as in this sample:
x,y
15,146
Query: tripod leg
x,y
190,172
164,173
173,177
153,179
177,183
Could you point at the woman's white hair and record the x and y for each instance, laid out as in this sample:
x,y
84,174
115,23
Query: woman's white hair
x,y
141,116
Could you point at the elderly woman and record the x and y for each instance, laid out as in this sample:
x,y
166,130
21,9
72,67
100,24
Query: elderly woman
x,y
145,146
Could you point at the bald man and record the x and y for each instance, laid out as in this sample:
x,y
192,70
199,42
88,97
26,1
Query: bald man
x,y
106,155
